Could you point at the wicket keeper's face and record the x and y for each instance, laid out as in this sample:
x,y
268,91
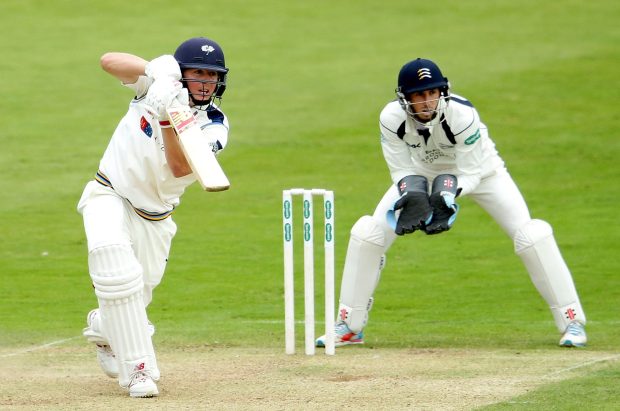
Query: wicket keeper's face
x,y
201,83
425,103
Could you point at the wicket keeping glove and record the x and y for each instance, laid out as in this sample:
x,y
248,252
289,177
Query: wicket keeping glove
x,y
161,94
443,194
416,210
163,66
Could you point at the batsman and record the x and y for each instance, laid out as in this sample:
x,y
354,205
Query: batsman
x,y
127,208
437,150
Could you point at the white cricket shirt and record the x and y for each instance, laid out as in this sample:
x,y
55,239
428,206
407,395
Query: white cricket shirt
x,y
459,145
134,163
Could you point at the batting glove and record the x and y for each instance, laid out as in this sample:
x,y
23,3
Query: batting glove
x,y
163,66
161,94
182,99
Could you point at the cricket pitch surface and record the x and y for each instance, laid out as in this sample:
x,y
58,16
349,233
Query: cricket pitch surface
x,y
67,377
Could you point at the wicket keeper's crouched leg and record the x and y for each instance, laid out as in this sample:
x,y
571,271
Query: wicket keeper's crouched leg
x,y
365,259
536,246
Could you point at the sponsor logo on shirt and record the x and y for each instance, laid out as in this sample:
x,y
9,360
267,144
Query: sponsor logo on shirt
x,y
435,154
473,138
432,155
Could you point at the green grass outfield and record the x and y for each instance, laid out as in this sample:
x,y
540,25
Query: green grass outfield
x,y
307,82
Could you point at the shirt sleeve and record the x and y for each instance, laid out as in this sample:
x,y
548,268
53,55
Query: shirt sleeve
x,y
469,154
214,126
216,134
140,87
395,150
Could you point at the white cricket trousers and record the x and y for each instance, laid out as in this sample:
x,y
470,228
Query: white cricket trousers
x,y
110,220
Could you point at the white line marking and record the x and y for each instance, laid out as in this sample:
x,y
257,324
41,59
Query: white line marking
x,y
39,347
318,322
583,364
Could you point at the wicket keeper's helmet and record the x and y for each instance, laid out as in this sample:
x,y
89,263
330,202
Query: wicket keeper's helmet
x,y
419,75
204,53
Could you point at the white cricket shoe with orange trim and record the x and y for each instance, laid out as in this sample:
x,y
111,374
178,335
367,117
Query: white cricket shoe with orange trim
x,y
343,336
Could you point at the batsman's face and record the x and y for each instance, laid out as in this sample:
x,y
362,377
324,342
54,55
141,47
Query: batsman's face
x,y
424,103
201,83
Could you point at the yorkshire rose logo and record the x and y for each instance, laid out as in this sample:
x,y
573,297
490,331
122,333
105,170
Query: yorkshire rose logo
x,y
207,48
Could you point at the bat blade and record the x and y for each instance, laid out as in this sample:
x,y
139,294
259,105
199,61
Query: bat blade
x,y
197,150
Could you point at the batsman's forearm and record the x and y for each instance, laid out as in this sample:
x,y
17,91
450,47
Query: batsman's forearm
x,y
124,66
174,154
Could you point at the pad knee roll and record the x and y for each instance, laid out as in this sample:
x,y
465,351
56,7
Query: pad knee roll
x,y
366,229
115,272
530,234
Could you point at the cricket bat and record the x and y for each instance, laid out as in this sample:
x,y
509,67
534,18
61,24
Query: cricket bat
x,y
197,149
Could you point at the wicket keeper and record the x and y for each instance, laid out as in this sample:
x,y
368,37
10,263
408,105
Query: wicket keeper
x,y
437,149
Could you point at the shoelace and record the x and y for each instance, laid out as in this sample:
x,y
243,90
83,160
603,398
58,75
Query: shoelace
x,y
342,329
574,329
138,376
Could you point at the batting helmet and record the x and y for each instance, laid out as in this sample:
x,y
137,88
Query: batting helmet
x,y
203,53
419,75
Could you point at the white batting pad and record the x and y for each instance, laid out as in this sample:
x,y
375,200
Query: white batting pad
x,y
537,248
362,269
94,332
117,277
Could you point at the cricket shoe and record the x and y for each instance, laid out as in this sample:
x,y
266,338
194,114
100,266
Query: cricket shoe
x,y
343,336
107,360
574,336
141,385
105,355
